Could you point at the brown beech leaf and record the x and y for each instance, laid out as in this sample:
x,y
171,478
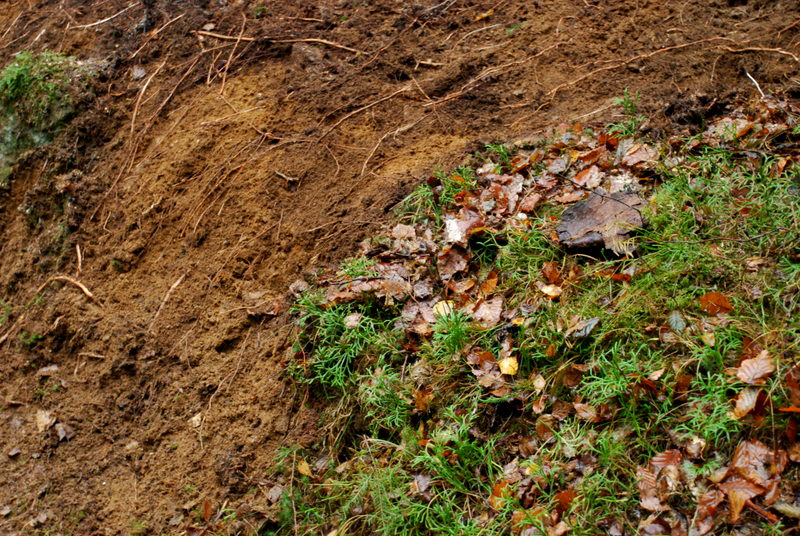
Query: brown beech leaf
x,y
647,483
754,370
423,399
640,156
715,303
706,513
739,491
564,500
586,412
666,458
452,260
488,286
458,228
499,496
745,401
489,311
550,273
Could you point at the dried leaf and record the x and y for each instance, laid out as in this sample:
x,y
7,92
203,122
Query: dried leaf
x,y
304,469
640,156
423,399
789,510
755,369
715,303
706,513
550,273
44,420
552,291
745,401
586,412
489,311
564,500
509,365
739,491
444,308
499,496
451,261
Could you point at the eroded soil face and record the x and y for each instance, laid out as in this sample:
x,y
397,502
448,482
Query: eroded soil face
x,y
225,156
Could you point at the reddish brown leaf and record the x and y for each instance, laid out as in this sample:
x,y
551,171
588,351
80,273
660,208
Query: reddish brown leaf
x,y
666,458
564,500
499,496
715,303
488,286
706,513
739,491
791,409
550,273
753,370
745,401
586,412
793,384
423,399
451,261
489,311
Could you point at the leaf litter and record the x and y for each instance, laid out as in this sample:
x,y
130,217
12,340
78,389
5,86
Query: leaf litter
x,y
462,308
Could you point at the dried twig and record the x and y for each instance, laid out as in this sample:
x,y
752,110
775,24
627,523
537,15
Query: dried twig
x,y
394,132
80,260
141,94
71,281
279,40
164,301
760,49
114,16
230,56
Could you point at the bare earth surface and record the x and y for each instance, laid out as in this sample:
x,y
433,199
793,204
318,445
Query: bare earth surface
x,y
228,151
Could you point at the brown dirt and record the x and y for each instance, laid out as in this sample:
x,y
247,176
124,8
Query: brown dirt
x,y
216,198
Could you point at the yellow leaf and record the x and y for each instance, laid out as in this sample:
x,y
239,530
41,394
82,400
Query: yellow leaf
x,y
304,469
554,291
509,365
444,308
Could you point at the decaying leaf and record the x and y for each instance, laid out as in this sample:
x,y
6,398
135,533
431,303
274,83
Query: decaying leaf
x,y
452,260
489,311
303,468
602,220
551,291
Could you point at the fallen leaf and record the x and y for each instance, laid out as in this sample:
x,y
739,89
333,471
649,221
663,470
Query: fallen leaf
x,y
602,220
509,365
586,412
552,291
351,321
550,273
789,510
564,500
640,156
304,469
706,513
452,260
64,431
739,491
499,496
423,399
196,420
715,303
44,420
489,311
444,308
745,401
755,369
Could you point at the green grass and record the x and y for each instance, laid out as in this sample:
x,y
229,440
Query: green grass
x,y
709,215
331,343
630,124
39,93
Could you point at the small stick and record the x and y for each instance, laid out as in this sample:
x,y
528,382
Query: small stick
x,y
230,56
756,84
71,282
274,40
80,260
760,49
102,21
164,301
141,94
